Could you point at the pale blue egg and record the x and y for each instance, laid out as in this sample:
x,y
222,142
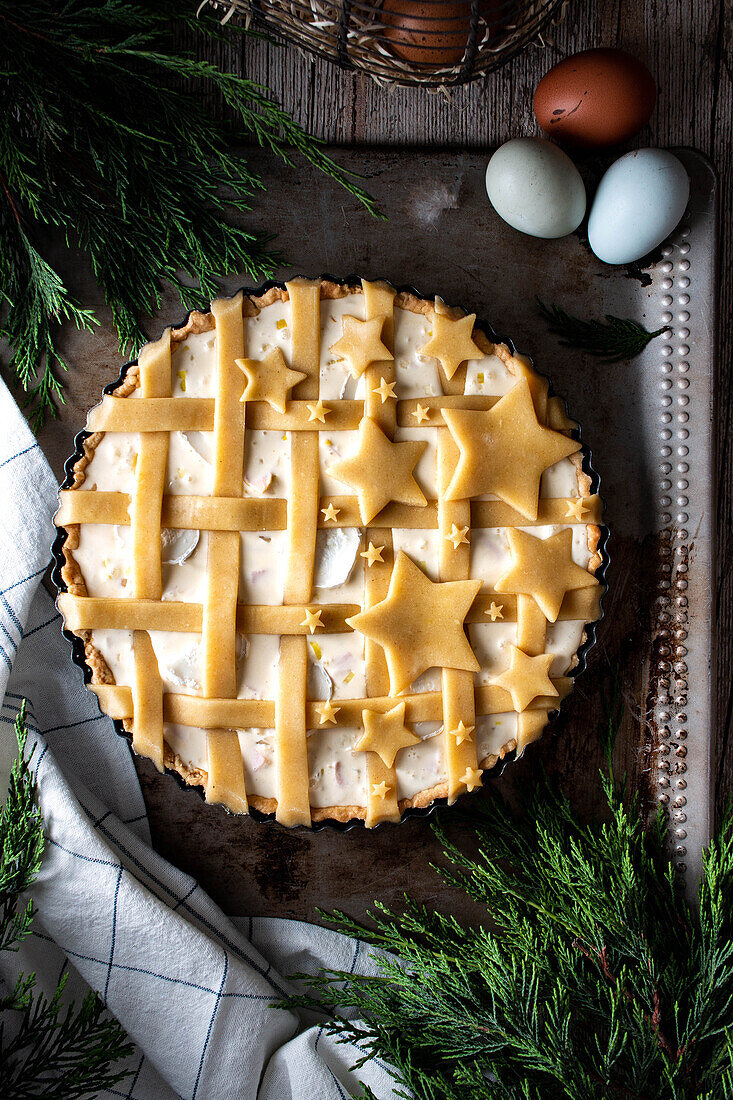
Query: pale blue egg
x,y
536,188
639,202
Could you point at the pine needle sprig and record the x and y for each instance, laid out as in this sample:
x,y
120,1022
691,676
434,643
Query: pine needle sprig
x,y
54,1049
616,339
590,978
107,141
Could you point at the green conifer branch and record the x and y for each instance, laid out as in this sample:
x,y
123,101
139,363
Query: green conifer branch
x,y
611,341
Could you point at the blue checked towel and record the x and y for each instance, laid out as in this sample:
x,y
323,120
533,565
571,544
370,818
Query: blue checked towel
x,y
192,987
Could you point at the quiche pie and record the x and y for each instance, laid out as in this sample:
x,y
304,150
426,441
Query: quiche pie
x,y
331,552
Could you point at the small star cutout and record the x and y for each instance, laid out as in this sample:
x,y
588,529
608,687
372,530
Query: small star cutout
x,y
385,734
312,620
457,536
385,389
330,513
380,790
451,343
462,733
318,411
269,379
420,624
472,778
380,470
543,569
495,611
361,344
576,509
421,413
373,554
327,713
504,450
526,678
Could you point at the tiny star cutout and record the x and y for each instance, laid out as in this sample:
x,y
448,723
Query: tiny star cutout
x,y
330,513
361,344
457,536
472,778
380,790
526,678
462,733
420,624
495,611
373,554
269,379
385,734
380,470
504,450
543,569
451,343
312,620
327,713
421,413
576,509
385,389
318,411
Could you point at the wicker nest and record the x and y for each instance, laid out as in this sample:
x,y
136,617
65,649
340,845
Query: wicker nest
x,y
431,43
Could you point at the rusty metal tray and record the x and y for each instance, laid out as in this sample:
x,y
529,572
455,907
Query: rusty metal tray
x,y
648,423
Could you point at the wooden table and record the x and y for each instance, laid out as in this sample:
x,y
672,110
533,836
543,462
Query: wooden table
x,y
687,44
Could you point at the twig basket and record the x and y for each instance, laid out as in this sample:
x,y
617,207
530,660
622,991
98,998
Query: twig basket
x,y
429,43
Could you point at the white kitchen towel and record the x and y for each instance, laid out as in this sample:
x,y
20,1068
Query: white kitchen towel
x,y
193,989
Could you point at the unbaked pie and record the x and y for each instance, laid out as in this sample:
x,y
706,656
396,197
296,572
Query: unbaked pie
x,y
331,552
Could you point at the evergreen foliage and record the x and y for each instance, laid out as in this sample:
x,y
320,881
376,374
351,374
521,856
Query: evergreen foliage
x,y
619,338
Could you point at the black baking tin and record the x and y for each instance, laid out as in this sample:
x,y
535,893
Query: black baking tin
x,y
77,646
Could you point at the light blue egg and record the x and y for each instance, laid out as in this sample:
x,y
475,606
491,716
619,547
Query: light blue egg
x,y
536,188
639,202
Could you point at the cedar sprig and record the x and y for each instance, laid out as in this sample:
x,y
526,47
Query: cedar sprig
x,y
108,142
616,339
591,977
53,1048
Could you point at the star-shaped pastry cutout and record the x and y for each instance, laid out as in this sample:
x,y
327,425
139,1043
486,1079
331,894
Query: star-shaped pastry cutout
x,y
380,790
380,470
421,413
462,733
373,554
385,389
318,411
543,569
526,678
327,713
457,536
472,778
504,450
361,344
269,379
420,624
495,611
385,734
575,509
451,343
312,620
330,514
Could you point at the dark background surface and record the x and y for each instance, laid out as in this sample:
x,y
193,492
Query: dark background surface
x,y
687,45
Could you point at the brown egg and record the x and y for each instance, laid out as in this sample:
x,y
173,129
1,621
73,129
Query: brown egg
x,y
595,98
433,32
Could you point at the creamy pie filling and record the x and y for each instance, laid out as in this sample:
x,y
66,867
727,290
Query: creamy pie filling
x,y
338,774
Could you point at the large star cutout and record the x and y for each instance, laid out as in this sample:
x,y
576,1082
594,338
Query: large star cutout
x,y
504,450
380,470
269,379
543,569
361,344
451,343
385,734
526,678
420,624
